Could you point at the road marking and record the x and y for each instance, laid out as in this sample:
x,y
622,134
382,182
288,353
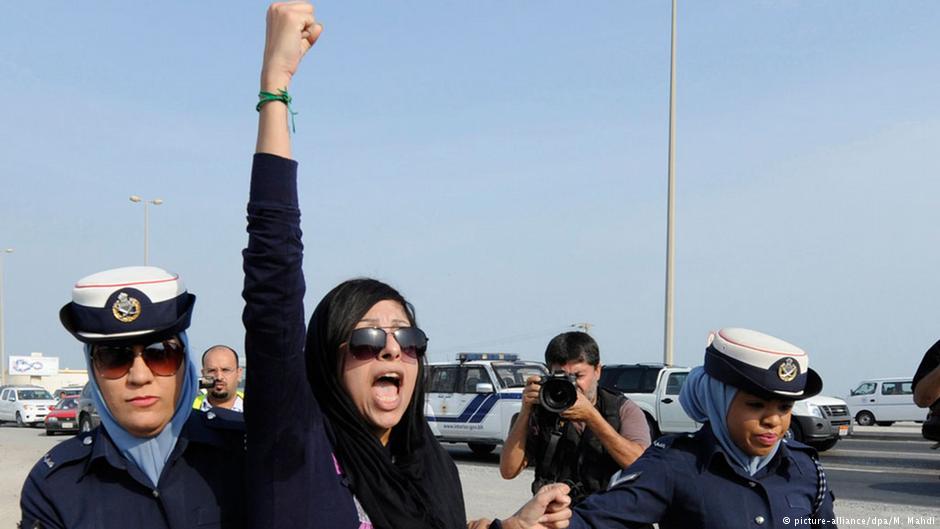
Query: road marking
x,y
917,442
931,455
883,470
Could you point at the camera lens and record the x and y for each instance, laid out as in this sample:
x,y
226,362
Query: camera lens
x,y
557,394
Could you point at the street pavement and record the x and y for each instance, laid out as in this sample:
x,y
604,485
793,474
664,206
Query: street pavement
x,y
886,465
882,476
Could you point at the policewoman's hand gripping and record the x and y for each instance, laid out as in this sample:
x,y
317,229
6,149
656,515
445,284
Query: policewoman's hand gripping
x,y
550,508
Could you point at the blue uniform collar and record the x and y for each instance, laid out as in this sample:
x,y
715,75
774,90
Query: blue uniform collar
x,y
710,449
103,448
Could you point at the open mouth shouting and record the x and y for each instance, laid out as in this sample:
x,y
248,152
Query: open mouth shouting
x,y
386,390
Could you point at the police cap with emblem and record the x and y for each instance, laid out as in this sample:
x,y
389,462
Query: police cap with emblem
x,y
760,364
123,304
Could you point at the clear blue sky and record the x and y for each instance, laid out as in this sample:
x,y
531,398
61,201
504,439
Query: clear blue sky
x,y
503,164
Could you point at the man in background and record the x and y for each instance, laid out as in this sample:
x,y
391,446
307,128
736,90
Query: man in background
x,y
220,367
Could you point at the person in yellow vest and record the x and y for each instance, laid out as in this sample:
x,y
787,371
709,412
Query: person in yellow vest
x,y
220,364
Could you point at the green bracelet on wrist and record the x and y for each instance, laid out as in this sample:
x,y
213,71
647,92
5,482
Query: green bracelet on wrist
x,y
283,97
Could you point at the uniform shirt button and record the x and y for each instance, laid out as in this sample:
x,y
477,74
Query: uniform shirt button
x,y
751,484
86,441
156,494
210,415
759,520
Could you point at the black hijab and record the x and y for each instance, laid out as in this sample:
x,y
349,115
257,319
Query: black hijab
x,y
412,482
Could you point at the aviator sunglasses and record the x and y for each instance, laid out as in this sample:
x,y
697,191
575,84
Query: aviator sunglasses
x,y
368,342
114,361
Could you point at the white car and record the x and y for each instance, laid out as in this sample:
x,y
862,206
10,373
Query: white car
x,y
476,399
883,401
25,405
655,389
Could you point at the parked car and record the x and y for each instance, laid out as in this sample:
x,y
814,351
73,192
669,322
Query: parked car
x,y
25,405
655,389
63,417
87,412
476,399
883,401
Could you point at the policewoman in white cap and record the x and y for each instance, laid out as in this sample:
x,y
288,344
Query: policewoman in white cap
x,y
738,470
154,462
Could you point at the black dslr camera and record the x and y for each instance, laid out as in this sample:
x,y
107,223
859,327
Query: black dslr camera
x,y
558,392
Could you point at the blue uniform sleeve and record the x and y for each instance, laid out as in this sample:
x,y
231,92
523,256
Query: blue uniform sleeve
x,y
279,406
641,497
38,510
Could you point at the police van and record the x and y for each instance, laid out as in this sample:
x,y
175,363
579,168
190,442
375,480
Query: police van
x,y
476,399
883,401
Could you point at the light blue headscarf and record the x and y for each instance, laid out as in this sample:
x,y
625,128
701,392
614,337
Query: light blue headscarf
x,y
707,400
148,453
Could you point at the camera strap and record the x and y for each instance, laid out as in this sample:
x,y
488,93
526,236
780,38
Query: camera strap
x,y
549,456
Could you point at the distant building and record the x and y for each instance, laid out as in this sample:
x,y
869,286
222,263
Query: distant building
x,y
39,370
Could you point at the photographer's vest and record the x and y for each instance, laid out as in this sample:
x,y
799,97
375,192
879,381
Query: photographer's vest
x,y
201,398
565,456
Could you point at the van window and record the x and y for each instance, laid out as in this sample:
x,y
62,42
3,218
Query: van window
x,y
896,388
866,388
443,379
474,375
674,383
514,376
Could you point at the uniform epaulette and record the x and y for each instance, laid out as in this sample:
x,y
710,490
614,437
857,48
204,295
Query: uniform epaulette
x,y
793,444
668,441
222,419
75,449
216,427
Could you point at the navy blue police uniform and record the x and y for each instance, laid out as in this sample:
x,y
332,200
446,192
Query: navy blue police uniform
x,y
686,481
193,478
693,481
86,482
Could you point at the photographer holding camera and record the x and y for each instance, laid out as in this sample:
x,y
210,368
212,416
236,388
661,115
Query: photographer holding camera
x,y
572,430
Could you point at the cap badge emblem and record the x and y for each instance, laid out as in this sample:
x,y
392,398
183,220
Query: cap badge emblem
x,y
126,309
788,370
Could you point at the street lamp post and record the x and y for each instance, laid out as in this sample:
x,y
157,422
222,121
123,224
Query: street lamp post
x,y
155,202
3,355
671,202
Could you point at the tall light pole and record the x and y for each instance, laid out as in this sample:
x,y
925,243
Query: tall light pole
x,y
155,202
671,201
3,354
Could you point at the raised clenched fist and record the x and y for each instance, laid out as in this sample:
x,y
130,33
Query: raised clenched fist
x,y
291,31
